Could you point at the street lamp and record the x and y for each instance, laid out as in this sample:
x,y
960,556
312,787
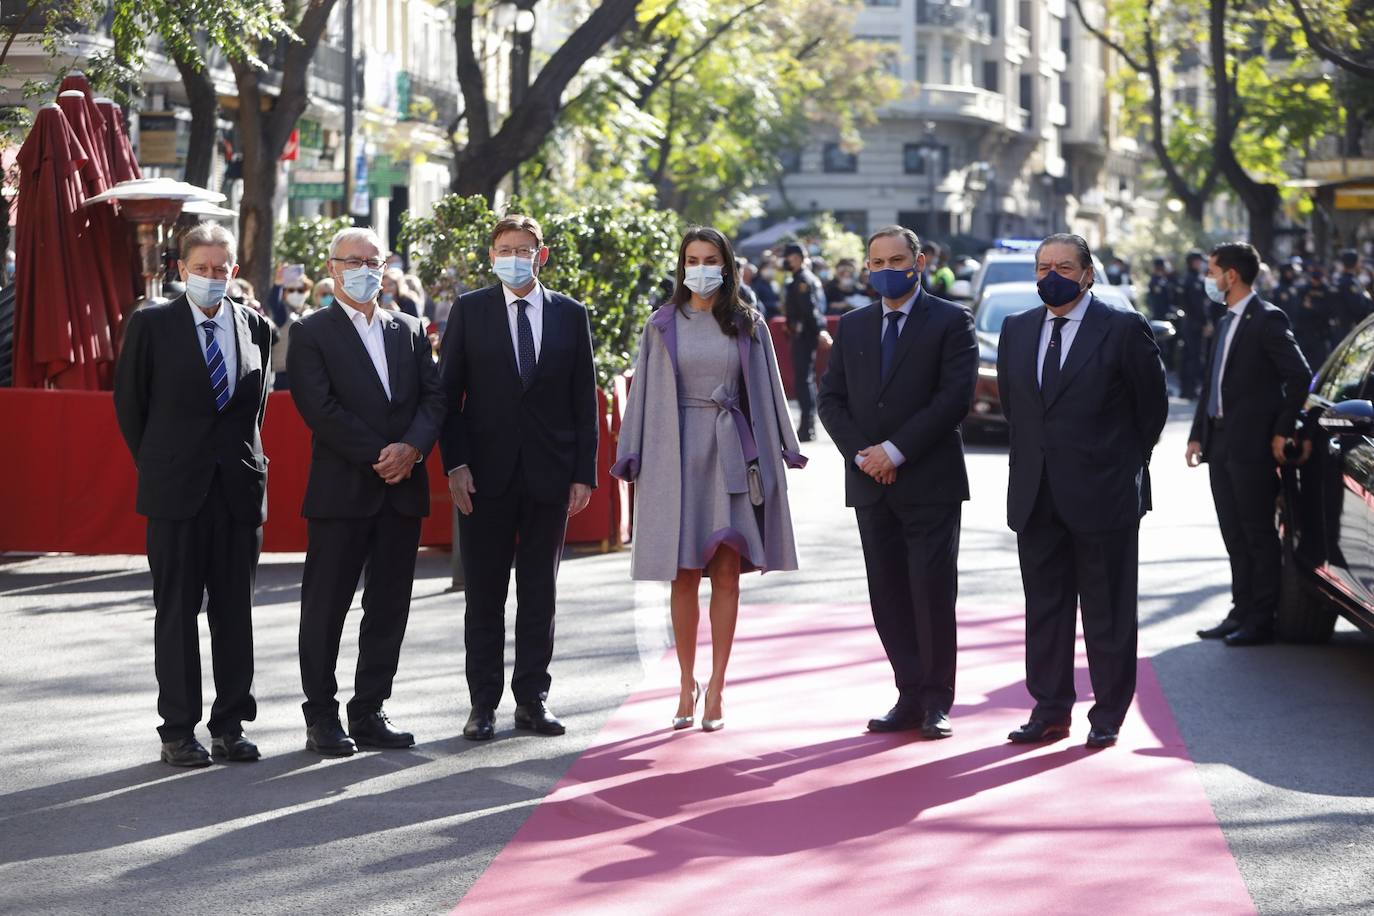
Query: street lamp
x,y
517,18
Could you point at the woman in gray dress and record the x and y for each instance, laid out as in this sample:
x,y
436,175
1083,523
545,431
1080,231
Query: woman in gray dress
x,y
706,436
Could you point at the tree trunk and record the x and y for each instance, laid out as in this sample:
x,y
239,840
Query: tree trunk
x,y
1262,200
200,92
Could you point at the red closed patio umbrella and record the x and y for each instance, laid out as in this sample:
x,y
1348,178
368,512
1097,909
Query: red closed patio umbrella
x,y
99,153
61,327
123,163
123,167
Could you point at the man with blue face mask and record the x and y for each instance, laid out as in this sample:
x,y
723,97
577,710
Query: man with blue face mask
x,y
1083,391
190,392
519,446
900,380
364,381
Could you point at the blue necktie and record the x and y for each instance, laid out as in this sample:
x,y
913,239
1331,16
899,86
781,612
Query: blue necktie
x,y
1054,360
214,360
890,341
525,334
1218,354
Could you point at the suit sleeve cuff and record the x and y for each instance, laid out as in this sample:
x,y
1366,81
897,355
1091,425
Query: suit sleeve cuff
x,y
456,470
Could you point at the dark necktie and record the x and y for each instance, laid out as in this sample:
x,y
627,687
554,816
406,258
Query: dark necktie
x,y
214,361
1054,354
525,336
890,341
1218,355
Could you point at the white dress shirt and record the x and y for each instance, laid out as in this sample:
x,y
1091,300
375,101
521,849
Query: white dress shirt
x,y
1235,311
534,311
373,341
225,336
894,454
1066,333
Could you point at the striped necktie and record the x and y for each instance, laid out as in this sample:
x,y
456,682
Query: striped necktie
x,y
214,360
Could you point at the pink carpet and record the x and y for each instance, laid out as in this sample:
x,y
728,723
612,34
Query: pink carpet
x,y
795,808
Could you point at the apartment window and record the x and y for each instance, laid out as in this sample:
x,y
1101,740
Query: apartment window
x,y
1025,14
947,67
882,2
1027,91
855,221
1066,99
1066,38
915,156
991,72
887,50
790,160
836,160
921,66
992,7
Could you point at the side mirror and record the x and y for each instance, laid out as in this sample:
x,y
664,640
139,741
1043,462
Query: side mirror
x,y
962,289
1348,418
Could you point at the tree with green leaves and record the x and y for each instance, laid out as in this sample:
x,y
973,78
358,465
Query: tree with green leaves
x,y
306,241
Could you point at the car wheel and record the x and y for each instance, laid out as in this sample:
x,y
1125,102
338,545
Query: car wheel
x,y
1305,615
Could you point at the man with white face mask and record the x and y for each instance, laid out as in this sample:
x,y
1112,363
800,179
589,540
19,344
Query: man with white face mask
x,y
519,446
363,378
190,391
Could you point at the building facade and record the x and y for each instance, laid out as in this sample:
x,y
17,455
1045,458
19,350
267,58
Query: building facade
x,y
1005,127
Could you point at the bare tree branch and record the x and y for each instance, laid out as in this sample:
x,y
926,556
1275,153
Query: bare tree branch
x,y
470,78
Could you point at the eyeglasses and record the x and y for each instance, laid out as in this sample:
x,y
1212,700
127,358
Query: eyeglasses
x,y
355,263
515,252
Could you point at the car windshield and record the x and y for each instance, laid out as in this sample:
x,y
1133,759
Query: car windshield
x,y
1013,271
998,306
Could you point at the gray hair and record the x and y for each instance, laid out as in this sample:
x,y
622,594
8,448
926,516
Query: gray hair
x,y
1085,254
354,233
209,235
902,232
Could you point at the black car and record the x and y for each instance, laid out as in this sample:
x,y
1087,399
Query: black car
x,y
1326,514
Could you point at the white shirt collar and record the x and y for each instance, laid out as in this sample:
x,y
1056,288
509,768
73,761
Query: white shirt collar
x,y
221,318
353,314
1240,306
535,298
906,307
1074,314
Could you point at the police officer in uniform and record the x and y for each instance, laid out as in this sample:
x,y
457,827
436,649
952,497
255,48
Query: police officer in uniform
x,y
804,307
1352,302
1312,324
1193,304
1291,288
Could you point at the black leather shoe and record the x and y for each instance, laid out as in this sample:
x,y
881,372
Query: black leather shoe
x,y
1037,730
234,747
375,730
1099,738
806,434
537,718
1249,636
185,752
897,719
481,724
936,725
1220,631
328,739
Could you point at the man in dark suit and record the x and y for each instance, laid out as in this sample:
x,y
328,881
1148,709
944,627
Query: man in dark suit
x,y
364,380
804,307
1256,383
1084,394
519,444
190,391
900,380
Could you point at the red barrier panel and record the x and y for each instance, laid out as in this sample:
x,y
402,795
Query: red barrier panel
x,y
777,328
69,484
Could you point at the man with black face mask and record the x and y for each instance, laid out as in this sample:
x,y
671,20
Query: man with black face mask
x,y
1083,392
804,306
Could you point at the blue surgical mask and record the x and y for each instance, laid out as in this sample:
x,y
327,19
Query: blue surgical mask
x,y
387,298
1214,292
893,284
204,292
1056,289
362,283
326,300
702,279
515,273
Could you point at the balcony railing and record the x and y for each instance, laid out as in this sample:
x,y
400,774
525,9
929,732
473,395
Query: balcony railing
x,y
443,98
971,22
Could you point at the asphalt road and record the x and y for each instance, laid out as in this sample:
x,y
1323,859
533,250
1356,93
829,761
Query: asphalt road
x,y
1282,736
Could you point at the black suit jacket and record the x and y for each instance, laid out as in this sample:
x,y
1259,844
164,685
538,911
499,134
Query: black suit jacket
x,y
493,425
918,406
1264,385
166,412
1094,438
340,397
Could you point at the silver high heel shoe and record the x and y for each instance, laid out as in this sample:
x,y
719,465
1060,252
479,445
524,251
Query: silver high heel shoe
x,y
710,725
681,722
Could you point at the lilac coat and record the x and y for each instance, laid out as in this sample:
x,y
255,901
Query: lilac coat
x,y
649,452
